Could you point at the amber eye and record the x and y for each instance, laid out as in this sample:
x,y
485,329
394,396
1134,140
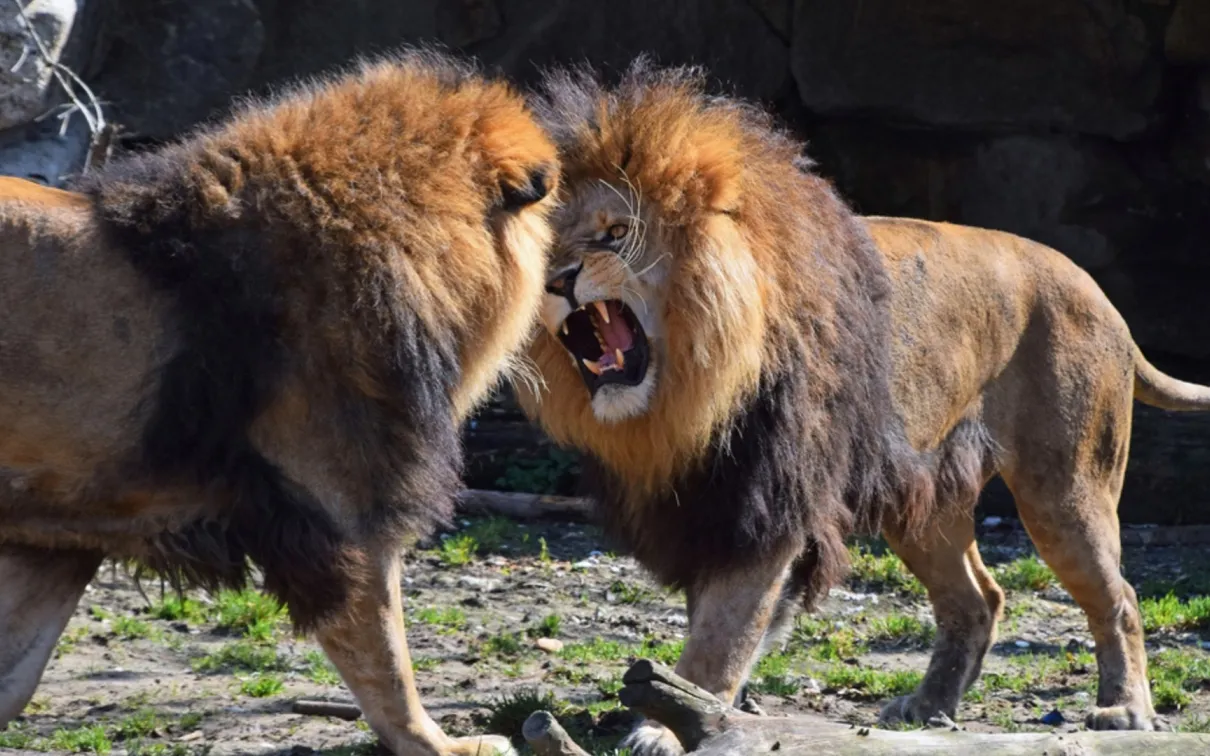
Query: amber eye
x,y
618,230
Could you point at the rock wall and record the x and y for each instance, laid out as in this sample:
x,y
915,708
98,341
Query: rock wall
x,y
1084,124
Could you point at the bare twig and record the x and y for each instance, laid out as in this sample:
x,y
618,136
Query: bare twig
x,y
339,709
524,506
94,116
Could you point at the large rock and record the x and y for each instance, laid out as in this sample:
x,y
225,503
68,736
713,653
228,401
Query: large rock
x,y
168,65
1083,65
26,77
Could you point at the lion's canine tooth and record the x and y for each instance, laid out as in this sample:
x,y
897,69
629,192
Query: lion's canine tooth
x,y
593,367
603,309
564,327
620,357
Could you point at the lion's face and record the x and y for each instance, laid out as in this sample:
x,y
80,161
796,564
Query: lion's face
x,y
605,297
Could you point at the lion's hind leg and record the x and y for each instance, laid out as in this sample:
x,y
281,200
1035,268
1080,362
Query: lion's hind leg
x,y
966,604
39,590
366,641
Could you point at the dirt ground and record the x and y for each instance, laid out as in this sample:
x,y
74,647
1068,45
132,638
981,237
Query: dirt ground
x,y
150,674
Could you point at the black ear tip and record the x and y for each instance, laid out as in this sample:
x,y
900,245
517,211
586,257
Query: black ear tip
x,y
541,181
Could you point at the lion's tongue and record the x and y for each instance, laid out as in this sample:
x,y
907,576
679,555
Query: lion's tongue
x,y
615,333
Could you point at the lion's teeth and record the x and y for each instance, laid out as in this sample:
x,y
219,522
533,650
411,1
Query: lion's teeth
x,y
621,358
593,367
603,310
564,327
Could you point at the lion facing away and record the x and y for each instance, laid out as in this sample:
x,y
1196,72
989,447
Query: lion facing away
x,y
258,344
754,373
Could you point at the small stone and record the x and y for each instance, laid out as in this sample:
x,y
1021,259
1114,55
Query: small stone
x,y
1022,644
991,522
550,645
479,584
584,564
190,737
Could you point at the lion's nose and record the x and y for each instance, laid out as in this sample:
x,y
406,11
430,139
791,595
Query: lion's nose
x,y
563,284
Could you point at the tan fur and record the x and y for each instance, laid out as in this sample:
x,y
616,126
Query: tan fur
x,y
1002,350
393,177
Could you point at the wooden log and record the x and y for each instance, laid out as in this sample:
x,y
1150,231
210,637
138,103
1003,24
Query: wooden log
x,y
524,506
707,727
548,738
339,709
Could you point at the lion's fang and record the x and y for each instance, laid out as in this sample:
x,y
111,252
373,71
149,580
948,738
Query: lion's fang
x,y
593,367
603,310
621,358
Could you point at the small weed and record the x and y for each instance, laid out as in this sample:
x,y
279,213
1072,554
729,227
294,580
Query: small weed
x,y
98,613
91,739
595,650
902,629
666,653
179,609
17,736
1194,723
549,627
129,628
772,676
503,644
262,686
248,613
458,550
1025,574
610,687
628,593
138,725
543,551
319,669
450,620
190,721
872,683
423,663
509,712
824,642
492,533
540,475
1175,674
878,570
1170,613
241,655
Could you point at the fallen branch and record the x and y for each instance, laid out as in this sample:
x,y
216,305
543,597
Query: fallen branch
x,y
547,738
524,506
338,709
707,727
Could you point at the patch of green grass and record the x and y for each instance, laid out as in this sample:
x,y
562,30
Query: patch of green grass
x,y
248,613
595,650
1036,671
824,641
91,739
1171,613
191,721
262,686
881,571
98,613
546,474
319,669
872,683
492,533
509,712
140,724
772,675
1175,674
629,593
129,628
458,550
548,627
451,619
503,644
140,748
1025,574
180,609
901,629
242,655
17,736
1194,723
69,640
422,663
664,652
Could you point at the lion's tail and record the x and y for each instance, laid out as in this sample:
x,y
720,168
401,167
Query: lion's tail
x,y
1157,389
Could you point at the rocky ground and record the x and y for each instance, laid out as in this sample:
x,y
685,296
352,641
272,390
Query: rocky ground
x,y
507,617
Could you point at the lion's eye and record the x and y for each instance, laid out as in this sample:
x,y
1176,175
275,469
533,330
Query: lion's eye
x,y
617,231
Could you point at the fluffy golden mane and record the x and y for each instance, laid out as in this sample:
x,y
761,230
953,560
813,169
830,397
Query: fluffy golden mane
x,y
772,418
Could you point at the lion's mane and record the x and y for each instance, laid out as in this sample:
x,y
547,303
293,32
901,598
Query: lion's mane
x,y
773,424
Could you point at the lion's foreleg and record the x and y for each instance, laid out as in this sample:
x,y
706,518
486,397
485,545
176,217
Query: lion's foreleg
x,y
39,590
366,640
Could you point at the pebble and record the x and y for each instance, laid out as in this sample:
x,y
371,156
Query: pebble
x,y
550,645
1022,644
584,564
991,522
479,584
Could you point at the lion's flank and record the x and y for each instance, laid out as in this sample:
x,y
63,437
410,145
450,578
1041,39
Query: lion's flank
x,y
773,424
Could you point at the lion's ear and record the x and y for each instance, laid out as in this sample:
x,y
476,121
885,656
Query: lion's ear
x,y
515,195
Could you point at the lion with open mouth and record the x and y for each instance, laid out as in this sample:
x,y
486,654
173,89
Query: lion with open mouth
x,y
754,373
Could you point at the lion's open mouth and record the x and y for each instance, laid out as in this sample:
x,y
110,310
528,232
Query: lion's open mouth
x,y
608,344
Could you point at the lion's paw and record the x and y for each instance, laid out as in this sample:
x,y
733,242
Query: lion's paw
x,y
651,739
482,745
1125,718
912,709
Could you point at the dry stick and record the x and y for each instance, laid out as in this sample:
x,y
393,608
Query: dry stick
x,y
339,709
523,506
547,738
102,132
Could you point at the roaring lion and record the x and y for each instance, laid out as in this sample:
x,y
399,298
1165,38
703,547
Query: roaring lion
x,y
754,372
258,344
